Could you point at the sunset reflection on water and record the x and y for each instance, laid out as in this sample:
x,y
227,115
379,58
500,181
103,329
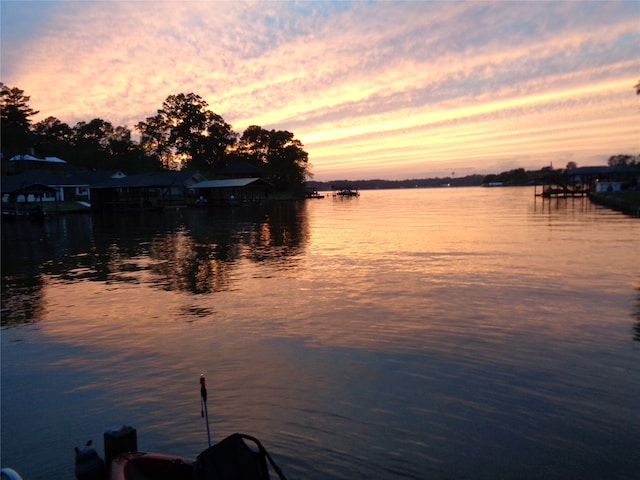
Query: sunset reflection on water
x,y
412,332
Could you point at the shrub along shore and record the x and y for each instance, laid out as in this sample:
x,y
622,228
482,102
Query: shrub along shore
x,y
625,202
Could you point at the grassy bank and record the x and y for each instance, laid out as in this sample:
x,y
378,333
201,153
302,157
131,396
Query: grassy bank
x,y
65,207
625,202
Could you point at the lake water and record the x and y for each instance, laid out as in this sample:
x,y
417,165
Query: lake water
x,y
471,333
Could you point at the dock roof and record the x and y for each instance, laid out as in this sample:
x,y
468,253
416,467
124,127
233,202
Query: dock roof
x,y
602,170
228,183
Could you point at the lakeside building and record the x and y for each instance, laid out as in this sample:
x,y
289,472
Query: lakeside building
x,y
605,178
45,181
582,181
233,190
74,187
144,191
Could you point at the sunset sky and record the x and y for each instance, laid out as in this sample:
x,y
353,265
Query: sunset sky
x,y
384,89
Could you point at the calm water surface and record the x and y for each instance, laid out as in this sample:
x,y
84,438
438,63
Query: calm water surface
x,y
423,334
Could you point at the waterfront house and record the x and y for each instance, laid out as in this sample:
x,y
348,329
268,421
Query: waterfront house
x,y
144,191
26,189
69,186
605,178
76,186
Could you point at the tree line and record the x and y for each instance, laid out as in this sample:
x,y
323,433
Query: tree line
x,y
183,134
514,177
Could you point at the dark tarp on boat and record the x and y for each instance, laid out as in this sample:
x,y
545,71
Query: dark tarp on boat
x,y
233,459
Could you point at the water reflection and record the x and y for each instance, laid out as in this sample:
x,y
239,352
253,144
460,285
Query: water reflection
x,y
195,251
20,299
636,314
577,204
445,333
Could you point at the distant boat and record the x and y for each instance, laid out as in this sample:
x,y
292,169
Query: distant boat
x,y
313,193
348,192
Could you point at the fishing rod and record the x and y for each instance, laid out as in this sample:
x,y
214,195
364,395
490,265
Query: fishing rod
x,y
203,406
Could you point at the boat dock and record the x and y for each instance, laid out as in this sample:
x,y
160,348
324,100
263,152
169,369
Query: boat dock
x,y
559,186
549,191
345,192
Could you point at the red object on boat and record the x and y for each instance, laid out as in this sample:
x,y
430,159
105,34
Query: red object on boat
x,y
147,466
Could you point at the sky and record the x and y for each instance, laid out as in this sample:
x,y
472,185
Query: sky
x,y
373,89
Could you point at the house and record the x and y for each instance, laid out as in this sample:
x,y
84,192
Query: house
x,y
16,192
144,191
28,187
605,178
76,186
73,186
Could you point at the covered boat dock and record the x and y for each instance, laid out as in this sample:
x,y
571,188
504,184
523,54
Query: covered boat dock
x,y
232,191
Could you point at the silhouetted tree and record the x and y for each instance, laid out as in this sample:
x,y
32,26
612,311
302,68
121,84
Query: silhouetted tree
x,y
53,138
54,130
91,142
15,121
186,133
622,160
282,156
517,176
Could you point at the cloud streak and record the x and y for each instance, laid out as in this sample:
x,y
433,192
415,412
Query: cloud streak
x,y
373,89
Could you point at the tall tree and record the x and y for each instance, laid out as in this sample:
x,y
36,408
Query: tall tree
x,y
15,120
253,146
53,129
154,140
282,156
53,137
186,133
622,160
91,141
100,145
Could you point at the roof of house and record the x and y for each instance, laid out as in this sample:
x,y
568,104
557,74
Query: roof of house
x,y
25,183
89,178
602,170
152,179
31,158
228,183
12,183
